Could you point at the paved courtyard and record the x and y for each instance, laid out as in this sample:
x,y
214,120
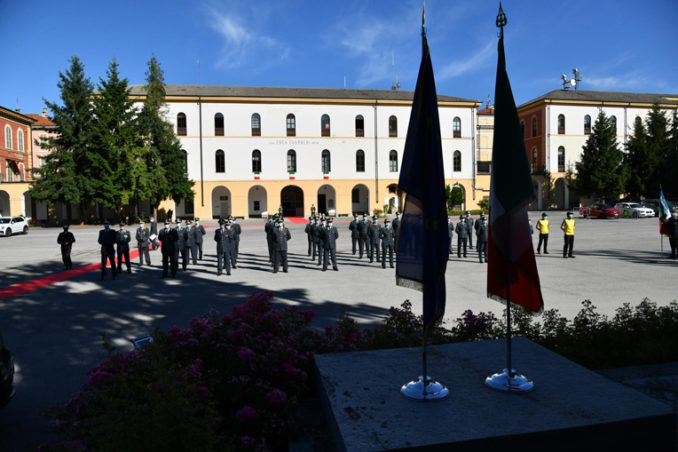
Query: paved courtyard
x,y
55,331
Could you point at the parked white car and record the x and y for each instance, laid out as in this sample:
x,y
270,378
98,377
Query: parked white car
x,y
634,210
13,225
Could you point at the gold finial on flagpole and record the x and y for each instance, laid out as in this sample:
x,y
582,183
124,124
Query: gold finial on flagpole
x,y
501,21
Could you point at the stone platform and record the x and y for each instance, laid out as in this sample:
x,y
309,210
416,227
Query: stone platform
x,y
571,407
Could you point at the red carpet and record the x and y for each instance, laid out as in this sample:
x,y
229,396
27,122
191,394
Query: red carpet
x,y
297,220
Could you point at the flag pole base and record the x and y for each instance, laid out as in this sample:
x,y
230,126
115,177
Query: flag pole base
x,y
509,383
417,390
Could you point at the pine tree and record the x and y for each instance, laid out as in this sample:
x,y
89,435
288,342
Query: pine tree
x,y
636,161
600,173
671,177
64,175
658,144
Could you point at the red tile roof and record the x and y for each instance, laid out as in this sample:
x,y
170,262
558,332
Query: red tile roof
x,y
40,120
486,111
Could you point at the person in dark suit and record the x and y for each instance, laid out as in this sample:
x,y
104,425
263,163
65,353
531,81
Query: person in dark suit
x,y
363,240
198,233
395,224
66,240
281,236
355,234
107,241
672,229
462,236
190,245
320,234
269,229
331,234
143,242
373,234
225,242
181,249
309,236
469,227
169,238
154,233
481,236
387,236
122,239
237,230
315,234
450,233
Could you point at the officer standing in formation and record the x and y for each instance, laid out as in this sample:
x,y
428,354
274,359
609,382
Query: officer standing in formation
x,y
269,229
309,234
364,242
450,233
280,238
387,235
477,223
66,240
169,238
373,234
143,242
237,230
225,239
469,227
181,249
543,228
198,233
355,235
672,226
315,234
191,246
330,236
567,227
107,241
462,235
320,234
123,238
154,233
396,223
481,236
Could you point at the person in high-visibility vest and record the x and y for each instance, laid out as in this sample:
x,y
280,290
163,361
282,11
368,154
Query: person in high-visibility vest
x,y
568,228
543,228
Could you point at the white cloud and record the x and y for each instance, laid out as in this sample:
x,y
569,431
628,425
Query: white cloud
x,y
243,45
478,60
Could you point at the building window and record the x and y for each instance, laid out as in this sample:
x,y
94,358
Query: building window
x,y
561,159
291,161
355,195
613,123
360,161
392,126
220,161
8,137
393,161
325,126
534,127
456,127
256,161
189,207
181,124
587,125
256,125
484,167
22,172
522,128
325,161
291,125
185,161
561,124
219,125
359,126
534,159
456,161
20,140
10,171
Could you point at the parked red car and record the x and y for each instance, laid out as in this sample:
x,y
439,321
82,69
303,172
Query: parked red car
x,y
601,211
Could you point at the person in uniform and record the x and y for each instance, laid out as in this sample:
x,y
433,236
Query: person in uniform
x,y
143,242
543,228
198,233
321,235
169,238
476,224
462,236
567,227
315,234
237,230
181,249
469,227
373,233
355,235
170,215
153,233
309,236
395,224
363,242
387,236
331,235
107,241
280,238
225,242
122,239
66,240
481,236
191,246
269,229
450,233
672,229
313,210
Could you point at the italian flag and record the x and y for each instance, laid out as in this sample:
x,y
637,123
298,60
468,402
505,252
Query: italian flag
x,y
664,213
512,269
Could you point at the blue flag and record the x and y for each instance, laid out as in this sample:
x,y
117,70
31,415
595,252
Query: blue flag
x,y
423,236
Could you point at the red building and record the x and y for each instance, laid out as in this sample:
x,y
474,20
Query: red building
x,y
15,160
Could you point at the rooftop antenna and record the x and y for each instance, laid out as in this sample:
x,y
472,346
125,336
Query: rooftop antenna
x,y
198,71
487,101
578,77
395,86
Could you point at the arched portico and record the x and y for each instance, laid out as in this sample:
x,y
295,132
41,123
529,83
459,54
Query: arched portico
x,y
257,201
327,199
221,202
360,199
292,201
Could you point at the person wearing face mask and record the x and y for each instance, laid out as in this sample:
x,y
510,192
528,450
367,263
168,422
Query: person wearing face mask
x,y
481,239
387,236
198,232
330,252
450,233
107,241
395,224
477,223
373,233
469,226
190,248
66,240
363,227
567,226
309,237
462,236
237,230
543,228
122,238
315,237
282,235
153,234
355,235
143,242
181,244
322,237
168,238
224,238
269,229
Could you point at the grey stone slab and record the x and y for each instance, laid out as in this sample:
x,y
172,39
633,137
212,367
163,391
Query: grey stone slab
x,y
571,408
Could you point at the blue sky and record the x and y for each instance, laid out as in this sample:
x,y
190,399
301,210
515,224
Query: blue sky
x,y
619,45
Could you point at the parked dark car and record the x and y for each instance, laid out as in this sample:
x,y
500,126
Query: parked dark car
x,y
601,211
6,374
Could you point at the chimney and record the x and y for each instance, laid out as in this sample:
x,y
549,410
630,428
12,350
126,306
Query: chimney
x,y
44,112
